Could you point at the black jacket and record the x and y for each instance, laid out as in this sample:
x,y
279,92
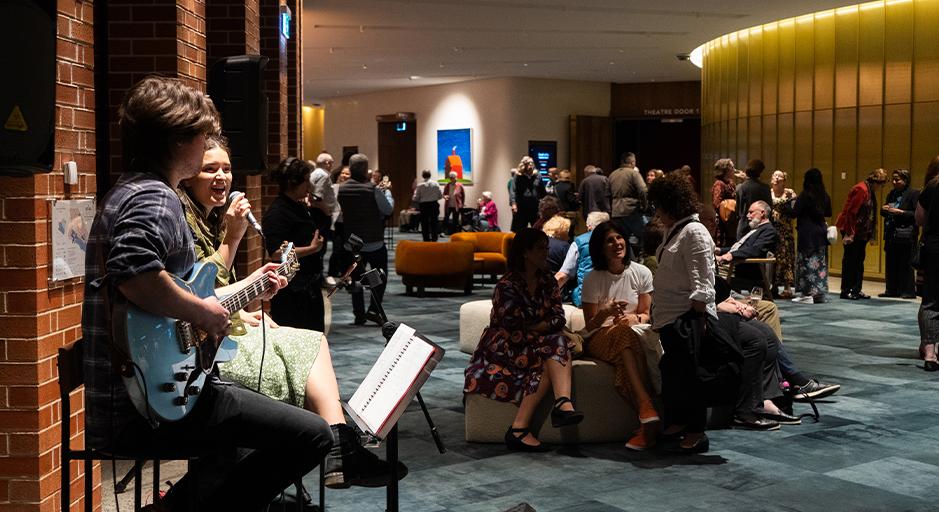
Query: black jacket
x,y
360,213
762,241
901,228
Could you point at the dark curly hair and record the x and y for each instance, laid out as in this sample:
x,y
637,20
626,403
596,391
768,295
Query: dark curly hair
x,y
291,172
674,196
755,168
525,240
598,242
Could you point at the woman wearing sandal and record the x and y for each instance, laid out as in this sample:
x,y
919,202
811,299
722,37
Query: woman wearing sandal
x,y
617,295
523,351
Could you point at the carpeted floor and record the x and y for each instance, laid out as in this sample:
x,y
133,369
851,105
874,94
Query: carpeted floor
x,y
875,448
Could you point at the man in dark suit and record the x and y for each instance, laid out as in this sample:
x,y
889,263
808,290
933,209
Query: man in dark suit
x,y
759,240
750,191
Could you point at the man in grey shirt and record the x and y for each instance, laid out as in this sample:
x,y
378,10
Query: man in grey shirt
x,y
628,193
594,191
427,196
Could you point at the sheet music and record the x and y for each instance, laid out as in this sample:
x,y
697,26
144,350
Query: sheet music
x,y
392,377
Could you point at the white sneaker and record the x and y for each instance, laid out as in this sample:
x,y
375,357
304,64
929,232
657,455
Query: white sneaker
x,y
803,300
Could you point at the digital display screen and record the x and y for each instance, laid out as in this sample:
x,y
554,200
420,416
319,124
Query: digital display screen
x,y
545,155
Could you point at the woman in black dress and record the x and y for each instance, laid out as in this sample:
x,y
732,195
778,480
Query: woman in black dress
x,y
288,219
900,234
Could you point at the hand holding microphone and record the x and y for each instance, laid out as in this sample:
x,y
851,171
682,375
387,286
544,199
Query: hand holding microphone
x,y
241,208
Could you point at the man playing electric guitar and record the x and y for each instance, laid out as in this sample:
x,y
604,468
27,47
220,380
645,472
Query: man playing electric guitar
x,y
138,240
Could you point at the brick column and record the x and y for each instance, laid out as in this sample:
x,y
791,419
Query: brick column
x,y
35,320
274,47
233,28
165,37
295,82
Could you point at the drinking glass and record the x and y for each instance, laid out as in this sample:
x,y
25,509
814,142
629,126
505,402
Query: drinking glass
x,y
756,295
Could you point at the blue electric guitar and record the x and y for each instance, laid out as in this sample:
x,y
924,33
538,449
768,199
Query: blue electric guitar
x,y
171,358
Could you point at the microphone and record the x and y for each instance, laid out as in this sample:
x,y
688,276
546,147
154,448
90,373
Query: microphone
x,y
251,220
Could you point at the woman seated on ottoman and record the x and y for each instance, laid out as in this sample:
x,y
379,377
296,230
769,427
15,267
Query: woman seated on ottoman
x,y
523,351
617,295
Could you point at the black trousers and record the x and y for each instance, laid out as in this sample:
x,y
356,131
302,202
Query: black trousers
x,y
852,266
526,216
429,212
759,377
451,220
340,258
374,259
250,448
899,273
682,407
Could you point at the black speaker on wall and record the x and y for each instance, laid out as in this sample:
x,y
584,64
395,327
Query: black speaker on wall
x,y
27,90
236,86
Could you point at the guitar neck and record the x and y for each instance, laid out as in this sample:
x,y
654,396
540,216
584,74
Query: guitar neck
x,y
238,300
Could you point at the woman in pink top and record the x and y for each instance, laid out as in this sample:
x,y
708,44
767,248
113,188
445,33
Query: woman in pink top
x,y
489,214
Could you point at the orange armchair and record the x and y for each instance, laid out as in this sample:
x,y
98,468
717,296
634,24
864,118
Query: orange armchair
x,y
432,264
490,250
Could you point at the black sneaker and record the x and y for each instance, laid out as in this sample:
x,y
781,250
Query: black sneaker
x,y
349,463
814,389
755,423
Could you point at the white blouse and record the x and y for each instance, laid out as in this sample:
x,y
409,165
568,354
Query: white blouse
x,y
685,273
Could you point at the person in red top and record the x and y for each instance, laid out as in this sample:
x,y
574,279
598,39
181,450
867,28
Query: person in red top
x,y
857,224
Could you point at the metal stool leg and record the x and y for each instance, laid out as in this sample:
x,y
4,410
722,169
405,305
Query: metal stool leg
x,y
323,485
138,478
156,480
88,485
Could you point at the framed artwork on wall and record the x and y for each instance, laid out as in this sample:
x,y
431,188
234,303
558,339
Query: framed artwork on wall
x,y
455,153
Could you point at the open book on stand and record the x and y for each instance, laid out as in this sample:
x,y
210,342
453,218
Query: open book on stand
x,y
402,368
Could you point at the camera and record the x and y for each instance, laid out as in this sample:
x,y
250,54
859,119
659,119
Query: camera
x,y
353,244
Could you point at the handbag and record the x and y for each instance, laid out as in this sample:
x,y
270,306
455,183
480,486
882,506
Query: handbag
x,y
717,358
832,234
727,208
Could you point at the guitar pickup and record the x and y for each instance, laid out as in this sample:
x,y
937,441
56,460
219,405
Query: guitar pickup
x,y
186,336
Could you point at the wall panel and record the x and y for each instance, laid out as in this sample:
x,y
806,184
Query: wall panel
x,y
898,52
871,57
845,90
897,136
846,57
925,144
925,50
824,35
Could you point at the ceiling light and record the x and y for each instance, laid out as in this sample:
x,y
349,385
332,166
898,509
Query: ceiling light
x,y
697,56
364,66
414,77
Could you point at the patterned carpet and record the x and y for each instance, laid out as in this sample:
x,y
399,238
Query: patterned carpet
x,y
875,448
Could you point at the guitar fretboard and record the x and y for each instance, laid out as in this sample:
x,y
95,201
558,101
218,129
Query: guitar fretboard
x,y
237,301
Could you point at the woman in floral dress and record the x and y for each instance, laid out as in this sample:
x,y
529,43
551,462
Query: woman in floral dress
x,y
786,247
523,351
725,233
810,209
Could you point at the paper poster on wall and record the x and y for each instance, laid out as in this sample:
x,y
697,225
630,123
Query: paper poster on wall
x,y
71,223
454,153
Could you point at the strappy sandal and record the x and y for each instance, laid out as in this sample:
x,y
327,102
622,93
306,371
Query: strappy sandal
x,y
561,418
513,441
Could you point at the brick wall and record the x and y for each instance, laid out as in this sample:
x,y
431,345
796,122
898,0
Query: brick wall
x,y
294,82
274,47
35,319
233,28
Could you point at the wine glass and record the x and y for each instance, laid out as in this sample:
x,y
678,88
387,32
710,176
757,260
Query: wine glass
x,y
756,295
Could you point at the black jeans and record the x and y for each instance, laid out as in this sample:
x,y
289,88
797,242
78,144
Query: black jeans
x,y
250,448
682,406
899,273
852,266
375,259
429,213
526,216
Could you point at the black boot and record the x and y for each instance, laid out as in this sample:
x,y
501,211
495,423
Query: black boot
x,y
349,463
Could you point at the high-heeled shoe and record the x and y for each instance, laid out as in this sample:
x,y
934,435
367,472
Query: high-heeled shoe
x,y
930,366
561,418
513,441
